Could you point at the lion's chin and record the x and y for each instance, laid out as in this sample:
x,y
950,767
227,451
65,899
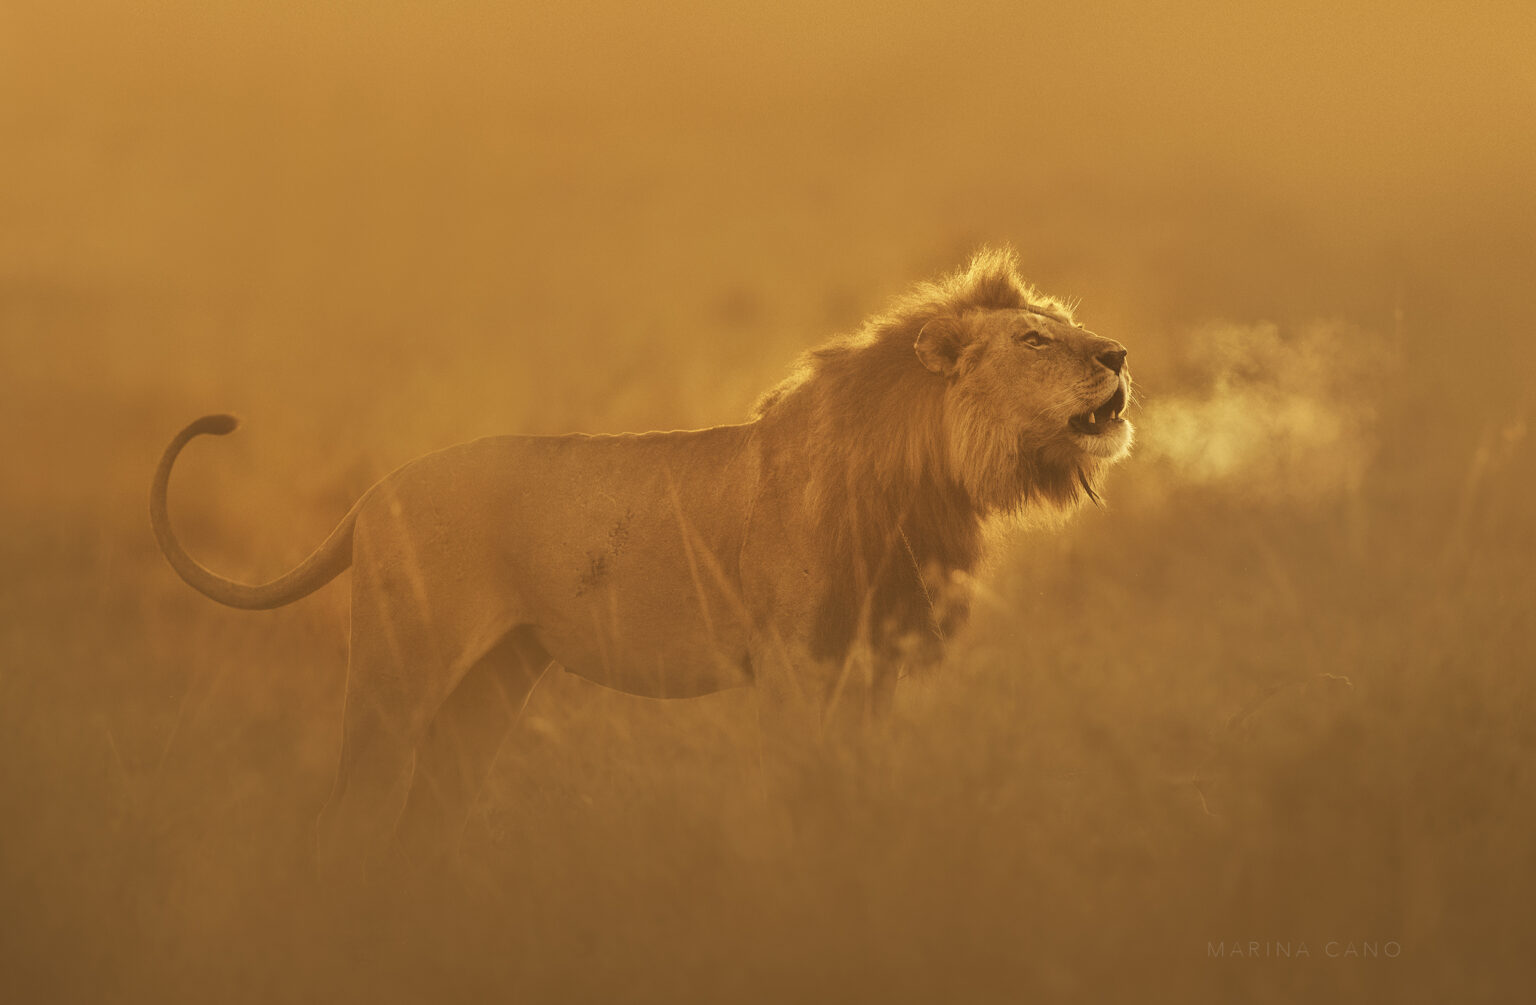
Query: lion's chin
x,y
1111,441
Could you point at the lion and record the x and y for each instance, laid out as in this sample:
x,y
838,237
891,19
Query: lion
x,y
811,552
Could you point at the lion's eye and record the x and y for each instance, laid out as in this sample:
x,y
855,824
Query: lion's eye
x,y
1032,339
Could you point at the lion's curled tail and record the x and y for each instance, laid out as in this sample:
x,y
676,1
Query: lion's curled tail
x,y
326,562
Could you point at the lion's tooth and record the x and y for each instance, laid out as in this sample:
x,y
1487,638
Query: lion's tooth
x,y
1092,419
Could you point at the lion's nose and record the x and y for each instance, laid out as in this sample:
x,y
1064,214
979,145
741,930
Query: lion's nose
x,y
1112,358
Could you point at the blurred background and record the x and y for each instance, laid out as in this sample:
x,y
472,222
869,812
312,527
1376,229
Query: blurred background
x,y
1260,730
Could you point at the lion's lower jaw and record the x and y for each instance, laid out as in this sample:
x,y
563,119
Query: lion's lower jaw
x,y
1107,448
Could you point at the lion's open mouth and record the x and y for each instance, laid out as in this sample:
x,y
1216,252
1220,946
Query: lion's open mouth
x,y
1101,419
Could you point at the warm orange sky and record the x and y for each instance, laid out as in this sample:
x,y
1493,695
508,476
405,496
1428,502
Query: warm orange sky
x,y
171,140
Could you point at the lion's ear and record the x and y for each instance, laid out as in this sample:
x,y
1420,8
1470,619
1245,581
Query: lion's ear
x,y
938,346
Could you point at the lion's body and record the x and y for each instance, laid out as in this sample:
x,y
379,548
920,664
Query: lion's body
x,y
621,552
810,552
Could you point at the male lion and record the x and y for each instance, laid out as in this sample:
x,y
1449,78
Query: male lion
x,y
809,552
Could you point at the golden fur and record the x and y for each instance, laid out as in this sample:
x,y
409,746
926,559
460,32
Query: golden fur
x,y
809,552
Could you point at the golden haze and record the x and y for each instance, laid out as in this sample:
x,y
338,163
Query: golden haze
x,y
1277,692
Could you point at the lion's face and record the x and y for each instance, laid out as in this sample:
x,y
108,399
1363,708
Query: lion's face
x,y
1061,387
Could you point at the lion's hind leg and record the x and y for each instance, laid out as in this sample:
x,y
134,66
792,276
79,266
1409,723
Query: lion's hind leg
x,y
381,727
460,745
412,642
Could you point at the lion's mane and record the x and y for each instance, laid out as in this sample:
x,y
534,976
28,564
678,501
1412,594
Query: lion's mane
x,y
904,470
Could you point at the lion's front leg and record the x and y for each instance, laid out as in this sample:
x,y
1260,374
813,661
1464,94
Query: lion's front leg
x,y
816,721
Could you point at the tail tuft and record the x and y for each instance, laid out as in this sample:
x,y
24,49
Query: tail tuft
x,y
216,425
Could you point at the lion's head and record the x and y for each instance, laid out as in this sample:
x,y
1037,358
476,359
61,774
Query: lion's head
x,y
978,380
1029,395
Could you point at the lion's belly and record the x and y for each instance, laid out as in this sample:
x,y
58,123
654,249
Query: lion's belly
x,y
636,619
644,628
638,669
625,557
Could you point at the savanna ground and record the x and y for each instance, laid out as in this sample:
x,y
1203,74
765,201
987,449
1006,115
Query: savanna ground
x,y
1279,691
